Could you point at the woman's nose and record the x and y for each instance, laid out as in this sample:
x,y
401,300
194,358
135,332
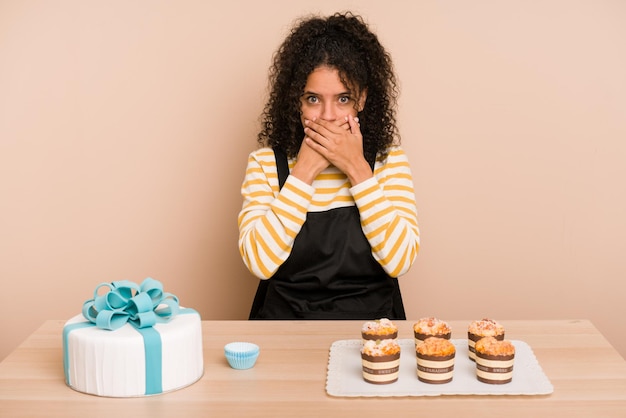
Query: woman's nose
x,y
329,112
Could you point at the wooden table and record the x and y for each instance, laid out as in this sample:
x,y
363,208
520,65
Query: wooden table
x,y
588,375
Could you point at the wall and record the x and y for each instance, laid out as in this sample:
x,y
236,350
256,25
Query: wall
x,y
125,128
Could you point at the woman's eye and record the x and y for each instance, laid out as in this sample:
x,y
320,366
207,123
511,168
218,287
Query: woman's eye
x,y
344,99
312,99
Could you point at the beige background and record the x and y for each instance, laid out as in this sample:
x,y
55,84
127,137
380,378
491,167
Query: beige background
x,y
125,128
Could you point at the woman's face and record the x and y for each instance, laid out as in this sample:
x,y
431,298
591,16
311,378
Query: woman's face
x,y
326,97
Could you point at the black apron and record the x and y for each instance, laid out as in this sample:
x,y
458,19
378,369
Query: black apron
x,y
330,273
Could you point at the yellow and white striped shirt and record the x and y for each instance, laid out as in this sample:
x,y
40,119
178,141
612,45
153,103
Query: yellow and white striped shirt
x,y
270,219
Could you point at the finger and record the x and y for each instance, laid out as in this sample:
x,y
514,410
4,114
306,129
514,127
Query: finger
x,y
315,131
355,126
345,123
325,127
313,134
314,145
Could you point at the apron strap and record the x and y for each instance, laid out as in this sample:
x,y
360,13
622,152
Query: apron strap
x,y
282,166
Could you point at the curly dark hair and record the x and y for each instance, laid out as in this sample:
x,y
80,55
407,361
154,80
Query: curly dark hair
x,y
344,42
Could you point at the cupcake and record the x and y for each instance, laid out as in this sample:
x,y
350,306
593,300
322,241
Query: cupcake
x,y
483,328
381,361
435,360
430,327
380,329
494,360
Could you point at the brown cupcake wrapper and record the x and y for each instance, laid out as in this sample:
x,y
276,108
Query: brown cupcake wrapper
x,y
490,373
476,337
492,357
381,372
375,337
380,359
494,369
386,382
422,337
435,358
434,382
435,370
494,382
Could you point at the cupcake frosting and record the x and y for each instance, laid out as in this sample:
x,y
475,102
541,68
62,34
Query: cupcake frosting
x,y
380,348
382,326
434,346
486,327
492,347
431,326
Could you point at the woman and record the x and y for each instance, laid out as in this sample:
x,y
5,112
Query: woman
x,y
329,219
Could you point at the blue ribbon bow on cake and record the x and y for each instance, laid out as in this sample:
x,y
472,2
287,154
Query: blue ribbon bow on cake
x,y
142,305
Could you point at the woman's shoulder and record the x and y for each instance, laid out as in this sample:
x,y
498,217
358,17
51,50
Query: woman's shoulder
x,y
262,153
395,163
395,153
395,149
263,157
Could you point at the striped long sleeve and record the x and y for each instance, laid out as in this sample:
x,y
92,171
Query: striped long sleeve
x,y
388,211
271,219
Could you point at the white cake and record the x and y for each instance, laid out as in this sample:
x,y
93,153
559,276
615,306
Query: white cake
x,y
131,361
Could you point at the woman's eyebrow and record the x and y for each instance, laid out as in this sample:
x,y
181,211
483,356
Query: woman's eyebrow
x,y
344,93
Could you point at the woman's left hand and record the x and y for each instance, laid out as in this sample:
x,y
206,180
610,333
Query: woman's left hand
x,y
342,147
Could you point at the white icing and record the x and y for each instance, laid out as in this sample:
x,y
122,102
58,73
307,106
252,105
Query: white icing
x,y
112,363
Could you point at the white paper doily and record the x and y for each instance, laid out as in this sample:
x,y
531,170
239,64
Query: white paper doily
x,y
345,376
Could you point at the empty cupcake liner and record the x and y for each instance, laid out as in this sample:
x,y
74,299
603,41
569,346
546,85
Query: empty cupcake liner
x,y
241,355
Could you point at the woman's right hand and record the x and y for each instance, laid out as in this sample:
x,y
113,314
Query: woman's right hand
x,y
310,162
